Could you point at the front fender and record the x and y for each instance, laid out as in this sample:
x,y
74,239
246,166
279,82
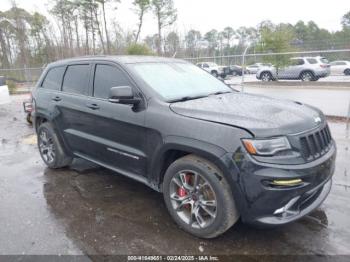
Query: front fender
x,y
211,152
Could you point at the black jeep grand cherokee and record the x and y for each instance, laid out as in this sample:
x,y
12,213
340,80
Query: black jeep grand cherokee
x,y
214,153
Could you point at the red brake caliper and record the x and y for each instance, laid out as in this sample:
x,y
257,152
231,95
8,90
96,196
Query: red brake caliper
x,y
181,191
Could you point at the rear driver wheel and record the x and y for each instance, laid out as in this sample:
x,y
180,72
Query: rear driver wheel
x,y
306,76
50,148
198,197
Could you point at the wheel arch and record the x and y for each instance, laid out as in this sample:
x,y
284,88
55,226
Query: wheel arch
x,y
177,147
305,71
40,119
266,71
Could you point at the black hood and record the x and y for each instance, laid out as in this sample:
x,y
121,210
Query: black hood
x,y
262,116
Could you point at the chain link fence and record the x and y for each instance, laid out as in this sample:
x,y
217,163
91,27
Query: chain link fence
x,y
325,65
286,76
21,80
317,77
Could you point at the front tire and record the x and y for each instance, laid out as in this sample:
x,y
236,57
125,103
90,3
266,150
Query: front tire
x,y
29,118
214,73
347,72
266,76
198,197
50,148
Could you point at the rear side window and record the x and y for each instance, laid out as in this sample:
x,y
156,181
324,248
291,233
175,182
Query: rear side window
x,y
53,79
296,62
312,61
76,79
106,77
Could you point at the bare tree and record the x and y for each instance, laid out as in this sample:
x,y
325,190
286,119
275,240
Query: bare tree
x,y
141,7
103,4
166,15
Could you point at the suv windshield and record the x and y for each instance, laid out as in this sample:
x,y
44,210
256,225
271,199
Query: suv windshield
x,y
175,81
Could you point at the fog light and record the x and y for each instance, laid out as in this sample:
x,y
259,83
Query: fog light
x,y
290,182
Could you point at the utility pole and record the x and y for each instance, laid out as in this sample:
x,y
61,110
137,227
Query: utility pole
x,y
243,66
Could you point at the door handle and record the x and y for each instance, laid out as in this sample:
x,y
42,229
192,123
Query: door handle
x,y
93,106
56,98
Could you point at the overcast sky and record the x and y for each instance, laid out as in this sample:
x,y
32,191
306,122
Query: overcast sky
x,y
204,15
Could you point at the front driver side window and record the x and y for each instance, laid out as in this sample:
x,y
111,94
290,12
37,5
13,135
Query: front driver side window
x,y
106,77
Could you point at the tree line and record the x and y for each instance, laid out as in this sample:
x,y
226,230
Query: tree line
x,y
82,27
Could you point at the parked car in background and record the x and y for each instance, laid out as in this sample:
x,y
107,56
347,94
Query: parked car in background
x,y
253,69
299,68
168,124
340,68
4,91
233,70
213,68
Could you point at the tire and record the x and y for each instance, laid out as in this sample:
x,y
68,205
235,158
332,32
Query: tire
x,y
307,76
234,73
347,72
29,118
214,73
266,76
315,78
200,204
50,148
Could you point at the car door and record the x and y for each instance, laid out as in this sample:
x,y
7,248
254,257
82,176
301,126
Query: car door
x,y
339,68
117,134
73,117
49,94
293,70
334,68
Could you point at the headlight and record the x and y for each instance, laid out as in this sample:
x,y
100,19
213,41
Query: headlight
x,y
265,147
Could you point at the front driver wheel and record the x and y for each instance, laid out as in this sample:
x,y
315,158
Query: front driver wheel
x,y
266,76
50,148
198,197
214,73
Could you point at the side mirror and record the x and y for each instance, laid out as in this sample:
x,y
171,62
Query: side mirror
x,y
123,95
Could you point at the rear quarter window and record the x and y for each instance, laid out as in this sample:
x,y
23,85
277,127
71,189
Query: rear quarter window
x,y
312,61
53,78
76,79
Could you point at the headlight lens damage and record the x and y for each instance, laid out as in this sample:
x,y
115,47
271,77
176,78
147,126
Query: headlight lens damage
x,y
266,147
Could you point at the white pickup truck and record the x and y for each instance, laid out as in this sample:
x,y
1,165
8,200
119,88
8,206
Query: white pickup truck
x,y
4,92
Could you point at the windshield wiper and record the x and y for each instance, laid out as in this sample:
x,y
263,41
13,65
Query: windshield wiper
x,y
186,98
220,93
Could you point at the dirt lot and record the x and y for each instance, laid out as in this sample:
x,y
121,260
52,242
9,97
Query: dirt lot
x,y
89,210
